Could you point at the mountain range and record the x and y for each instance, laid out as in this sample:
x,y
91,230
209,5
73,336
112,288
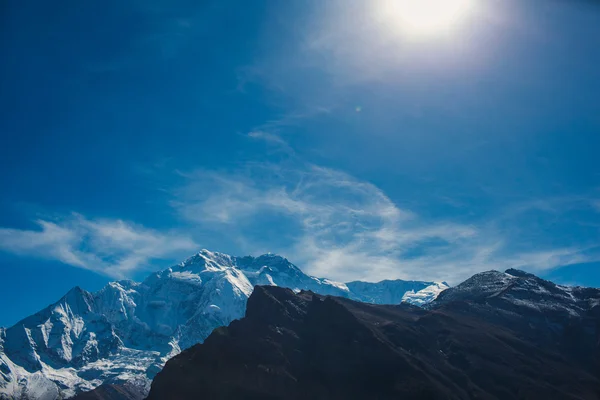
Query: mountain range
x,y
498,335
125,332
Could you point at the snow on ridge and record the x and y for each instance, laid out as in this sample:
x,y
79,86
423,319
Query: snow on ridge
x,y
128,330
522,289
339,285
187,276
426,295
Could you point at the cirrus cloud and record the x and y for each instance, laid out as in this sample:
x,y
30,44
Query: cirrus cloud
x,y
337,226
111,247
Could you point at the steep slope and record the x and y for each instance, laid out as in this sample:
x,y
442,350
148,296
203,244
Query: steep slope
x,y
40,352
562,317
472,343
112,392
515,288
128,330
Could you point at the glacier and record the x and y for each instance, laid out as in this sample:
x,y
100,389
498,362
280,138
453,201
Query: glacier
x,y
126,331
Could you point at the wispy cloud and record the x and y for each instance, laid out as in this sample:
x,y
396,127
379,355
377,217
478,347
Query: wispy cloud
x,y
328,222
272,139
268,137
337,226
111,247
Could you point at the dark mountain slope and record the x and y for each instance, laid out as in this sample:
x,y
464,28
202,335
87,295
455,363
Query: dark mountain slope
x,y
472,343
109,391
128,329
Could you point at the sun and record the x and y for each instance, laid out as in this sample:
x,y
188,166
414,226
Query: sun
x,y
425,17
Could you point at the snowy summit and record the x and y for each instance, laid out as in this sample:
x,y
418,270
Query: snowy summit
x,y
126,331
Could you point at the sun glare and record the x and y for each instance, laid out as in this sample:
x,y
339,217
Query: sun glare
x,y
426,17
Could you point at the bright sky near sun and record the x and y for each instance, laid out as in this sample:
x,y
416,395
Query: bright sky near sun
x,y
367,139
425,17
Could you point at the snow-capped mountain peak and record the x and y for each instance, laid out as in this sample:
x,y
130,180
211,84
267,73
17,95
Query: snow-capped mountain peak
x,y
127,330
207,260
425,295
521,291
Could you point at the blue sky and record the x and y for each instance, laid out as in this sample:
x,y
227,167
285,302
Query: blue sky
x,y
136,133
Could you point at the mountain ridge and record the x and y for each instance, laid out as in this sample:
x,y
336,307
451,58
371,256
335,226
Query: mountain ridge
x,y
127,330
497,335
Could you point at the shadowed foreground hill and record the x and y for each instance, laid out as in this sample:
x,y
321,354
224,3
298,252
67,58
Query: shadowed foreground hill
x,y
112,392
124,333
496,336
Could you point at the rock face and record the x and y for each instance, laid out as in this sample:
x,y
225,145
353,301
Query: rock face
x,y
112,392
128,330
496,336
